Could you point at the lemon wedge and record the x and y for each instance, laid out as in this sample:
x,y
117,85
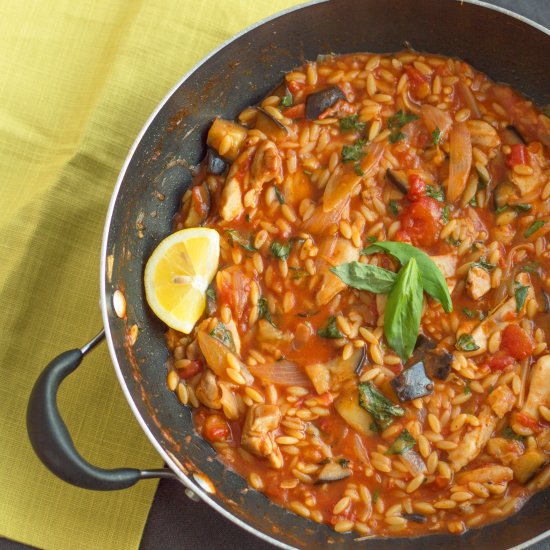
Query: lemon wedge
x,y
178,274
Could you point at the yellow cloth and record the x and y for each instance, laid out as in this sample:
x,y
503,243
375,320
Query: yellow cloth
x,y
78,80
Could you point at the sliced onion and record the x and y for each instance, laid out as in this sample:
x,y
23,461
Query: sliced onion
x,y
460,148
415,462
326,223
282,372
468,98
436,118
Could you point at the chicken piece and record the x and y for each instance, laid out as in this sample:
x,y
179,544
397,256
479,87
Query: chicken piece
x,y
331,285
529,183
501,400
266,165
501,316
207,390
478,282
446,264
492,473
231,202
539,393
505,450
473,441
257,436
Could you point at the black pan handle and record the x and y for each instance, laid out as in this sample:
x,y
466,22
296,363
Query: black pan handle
x,y
52,442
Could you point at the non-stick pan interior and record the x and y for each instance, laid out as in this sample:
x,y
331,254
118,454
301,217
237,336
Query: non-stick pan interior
x,y
239,74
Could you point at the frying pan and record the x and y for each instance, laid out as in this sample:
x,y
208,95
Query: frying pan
x,y
158,170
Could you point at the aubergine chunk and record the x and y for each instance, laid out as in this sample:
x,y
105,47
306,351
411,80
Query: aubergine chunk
x,y
318,102
412,383
214,163
437,362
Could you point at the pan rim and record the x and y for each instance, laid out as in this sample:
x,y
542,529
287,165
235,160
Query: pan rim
x,y
184,479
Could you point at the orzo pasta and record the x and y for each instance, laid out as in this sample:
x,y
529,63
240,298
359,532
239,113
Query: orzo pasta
x,y
373,352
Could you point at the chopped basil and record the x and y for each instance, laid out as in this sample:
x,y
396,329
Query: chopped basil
x,y
531,267
373,427
211,304
379,406
263,311
280,250
533,228
522,207
436,193
344,462
349,123
445,214
330,330
396,122
279,195
473,201
508,433
366,277
375,496
404,310
501,209
357,169
404,442
286,100
433,281
473,314
354,152
221,333
242,241
521,295
466,342
371,239
467,389
394,207
436,136
298,273
454,242
484,264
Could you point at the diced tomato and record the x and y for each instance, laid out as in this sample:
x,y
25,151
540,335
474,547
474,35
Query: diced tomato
x,y
528,422
189,369
296,111
216,428
499,361
294,86
516,342
415,76
518,155
199,205
421,222
417,187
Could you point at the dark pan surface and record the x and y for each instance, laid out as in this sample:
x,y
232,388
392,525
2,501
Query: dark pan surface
x,y
157,174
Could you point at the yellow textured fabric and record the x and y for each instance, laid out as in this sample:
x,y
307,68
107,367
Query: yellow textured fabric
x,y
79,79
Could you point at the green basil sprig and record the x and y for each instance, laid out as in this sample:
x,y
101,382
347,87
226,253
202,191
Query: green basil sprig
x,y
366,277
433,281
404,310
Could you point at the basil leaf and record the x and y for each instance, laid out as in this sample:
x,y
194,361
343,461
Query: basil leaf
x,y
239,239
466,342
211,304
522,207
404,442
399,119
280,250
330,330
381,408
404,310
508,433
473,201
396,136
344,462
371,239
433,281
521,295
286,100
533,228
358,170
354,152
279,195
351,122
375,496
221,333
445,214
263,311
394,207
436,193
467,389
473,314
365,277
484,264
436,136
531,267
298,273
